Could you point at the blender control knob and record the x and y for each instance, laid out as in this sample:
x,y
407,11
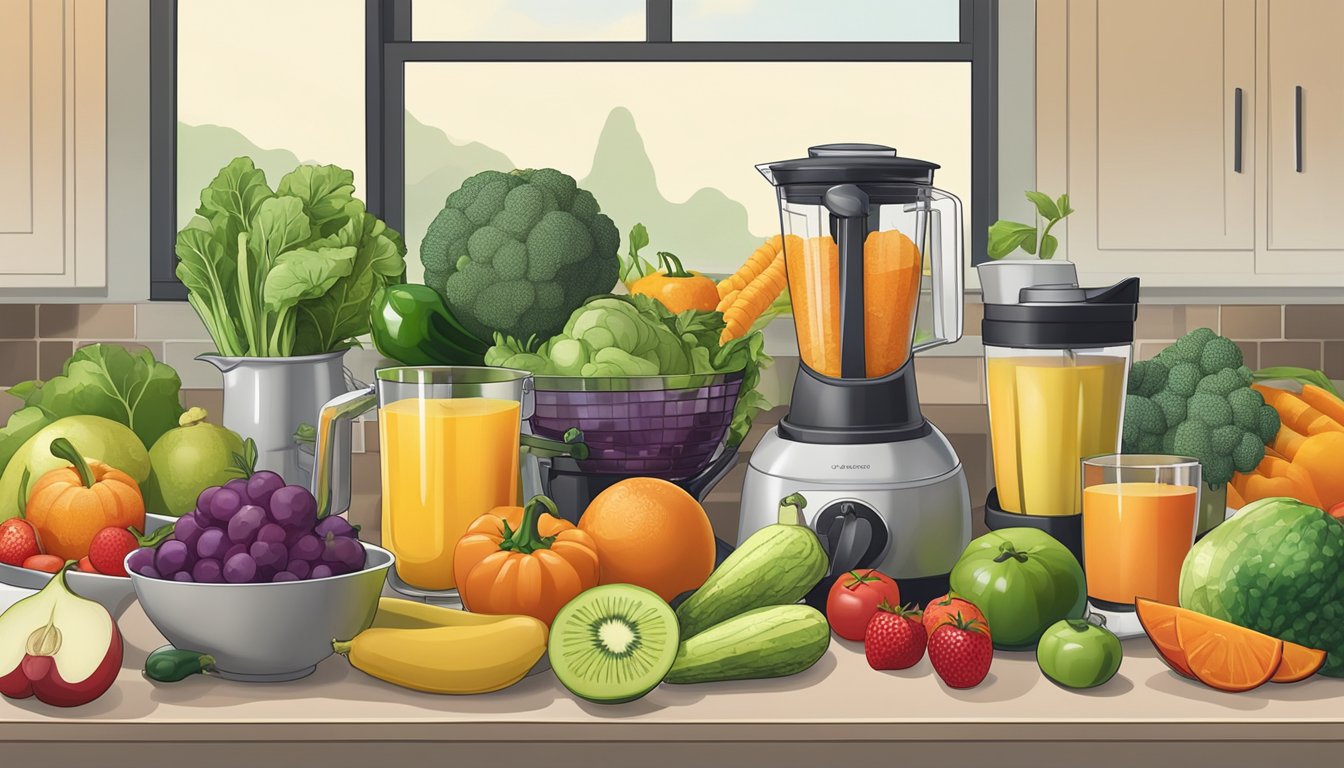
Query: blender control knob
x,y
853,534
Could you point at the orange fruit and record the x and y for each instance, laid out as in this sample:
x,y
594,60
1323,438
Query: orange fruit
x,y
1299,663
1159,621
1225,656
652,534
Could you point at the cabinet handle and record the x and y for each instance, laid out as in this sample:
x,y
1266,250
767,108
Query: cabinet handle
x,y
1236,130
1297,128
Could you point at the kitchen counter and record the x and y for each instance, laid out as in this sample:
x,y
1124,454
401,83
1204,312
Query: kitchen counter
x,y
839,707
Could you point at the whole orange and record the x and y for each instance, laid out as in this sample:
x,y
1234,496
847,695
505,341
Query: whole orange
x,y
652,534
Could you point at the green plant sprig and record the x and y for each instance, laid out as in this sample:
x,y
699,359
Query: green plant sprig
x,y
1007,236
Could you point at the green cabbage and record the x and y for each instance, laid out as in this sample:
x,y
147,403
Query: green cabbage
x,y
1276,567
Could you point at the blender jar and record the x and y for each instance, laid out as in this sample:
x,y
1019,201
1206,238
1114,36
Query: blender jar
x,y
857,216
1056,367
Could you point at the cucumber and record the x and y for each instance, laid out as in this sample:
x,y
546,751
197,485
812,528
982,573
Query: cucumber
x,y
777,641
169,665
776,565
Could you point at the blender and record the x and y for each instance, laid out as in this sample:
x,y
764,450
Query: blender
x,y
1056,366
866,237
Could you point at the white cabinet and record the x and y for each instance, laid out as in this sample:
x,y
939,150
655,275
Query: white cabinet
x,y
1174,127
53,143
1304,120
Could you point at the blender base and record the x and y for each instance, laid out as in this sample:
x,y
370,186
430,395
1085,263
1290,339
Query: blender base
x,y
1066,529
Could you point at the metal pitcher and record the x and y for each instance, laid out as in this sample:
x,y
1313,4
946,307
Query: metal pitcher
x,y
268,398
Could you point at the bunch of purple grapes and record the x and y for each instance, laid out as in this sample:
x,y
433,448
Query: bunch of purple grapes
x,y
253,531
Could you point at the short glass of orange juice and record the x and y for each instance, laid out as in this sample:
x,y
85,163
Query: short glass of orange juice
x,y
1139,518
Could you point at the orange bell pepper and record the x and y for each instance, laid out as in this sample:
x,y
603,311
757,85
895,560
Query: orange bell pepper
x,y
524,560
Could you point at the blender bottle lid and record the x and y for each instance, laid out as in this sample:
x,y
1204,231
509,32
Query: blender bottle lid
x,y
829,164
1064,317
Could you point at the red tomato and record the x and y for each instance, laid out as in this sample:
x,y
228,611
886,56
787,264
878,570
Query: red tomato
x,y
940,610
854,598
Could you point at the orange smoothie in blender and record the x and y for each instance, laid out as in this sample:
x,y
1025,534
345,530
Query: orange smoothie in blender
x,y
445,463
892,269
1135,538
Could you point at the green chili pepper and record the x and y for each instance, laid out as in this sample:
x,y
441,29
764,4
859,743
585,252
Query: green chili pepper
x,y
413,325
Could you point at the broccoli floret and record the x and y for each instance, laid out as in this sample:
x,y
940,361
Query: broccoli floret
x,y
1188,349
1248,452
1147,378
1143,420
1184,378
1246,404
518,252
1174,407
1268,424
1210,409
1222,383
1226,438
1219,353
1193,438
1206,404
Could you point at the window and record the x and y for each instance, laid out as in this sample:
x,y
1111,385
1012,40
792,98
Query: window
x,y
661,108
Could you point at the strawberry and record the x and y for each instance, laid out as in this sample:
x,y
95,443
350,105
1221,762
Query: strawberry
x,y
48,563
18,541
895,638
109,548
961,651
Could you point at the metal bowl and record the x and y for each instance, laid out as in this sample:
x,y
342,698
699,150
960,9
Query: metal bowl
x,y
114,593
266,632
660,426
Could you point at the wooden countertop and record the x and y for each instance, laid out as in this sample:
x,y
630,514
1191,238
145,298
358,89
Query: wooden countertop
x,y
839,702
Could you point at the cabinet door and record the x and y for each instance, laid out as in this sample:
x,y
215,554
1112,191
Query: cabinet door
x,y
53,143
1160,175
1304,106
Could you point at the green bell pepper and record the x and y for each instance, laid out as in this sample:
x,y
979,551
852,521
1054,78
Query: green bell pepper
x,y
412,325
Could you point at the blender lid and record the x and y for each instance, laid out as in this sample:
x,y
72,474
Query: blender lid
x,y
1064,317
829,164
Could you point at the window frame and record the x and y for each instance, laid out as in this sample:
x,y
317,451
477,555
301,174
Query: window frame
x,y
389,47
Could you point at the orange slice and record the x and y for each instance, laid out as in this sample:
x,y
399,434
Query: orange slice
x,y
1159,621
1225,656
1299,663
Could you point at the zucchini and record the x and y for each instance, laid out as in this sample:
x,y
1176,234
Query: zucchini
x,y
169,665
777,641
776,565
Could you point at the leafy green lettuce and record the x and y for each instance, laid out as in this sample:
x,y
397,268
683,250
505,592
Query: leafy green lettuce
x,y
98,380
285,272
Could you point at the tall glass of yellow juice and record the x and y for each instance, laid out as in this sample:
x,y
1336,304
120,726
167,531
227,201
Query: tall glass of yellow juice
x,y
449,449
1139,518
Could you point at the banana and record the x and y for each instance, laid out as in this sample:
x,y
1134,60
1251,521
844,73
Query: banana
x,y
449,659
394,613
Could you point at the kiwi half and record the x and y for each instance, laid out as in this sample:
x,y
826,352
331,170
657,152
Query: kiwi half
x,y
613,643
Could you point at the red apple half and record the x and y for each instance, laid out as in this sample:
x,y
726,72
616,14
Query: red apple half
x,y
59,647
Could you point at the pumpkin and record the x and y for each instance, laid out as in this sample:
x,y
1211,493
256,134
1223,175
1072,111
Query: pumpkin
x,y
523,560
69,506
676,288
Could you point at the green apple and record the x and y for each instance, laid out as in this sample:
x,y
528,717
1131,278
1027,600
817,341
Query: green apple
x,y
94,437
1079,654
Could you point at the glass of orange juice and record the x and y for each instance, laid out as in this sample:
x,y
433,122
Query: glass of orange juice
x,y
1139,518
449,444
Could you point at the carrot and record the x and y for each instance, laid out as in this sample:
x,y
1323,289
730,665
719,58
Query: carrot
x,y
1324,402
1287,441
753,300
1319,456
755,264
727,301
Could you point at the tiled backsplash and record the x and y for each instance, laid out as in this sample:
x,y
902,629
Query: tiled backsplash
x,y
36,339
